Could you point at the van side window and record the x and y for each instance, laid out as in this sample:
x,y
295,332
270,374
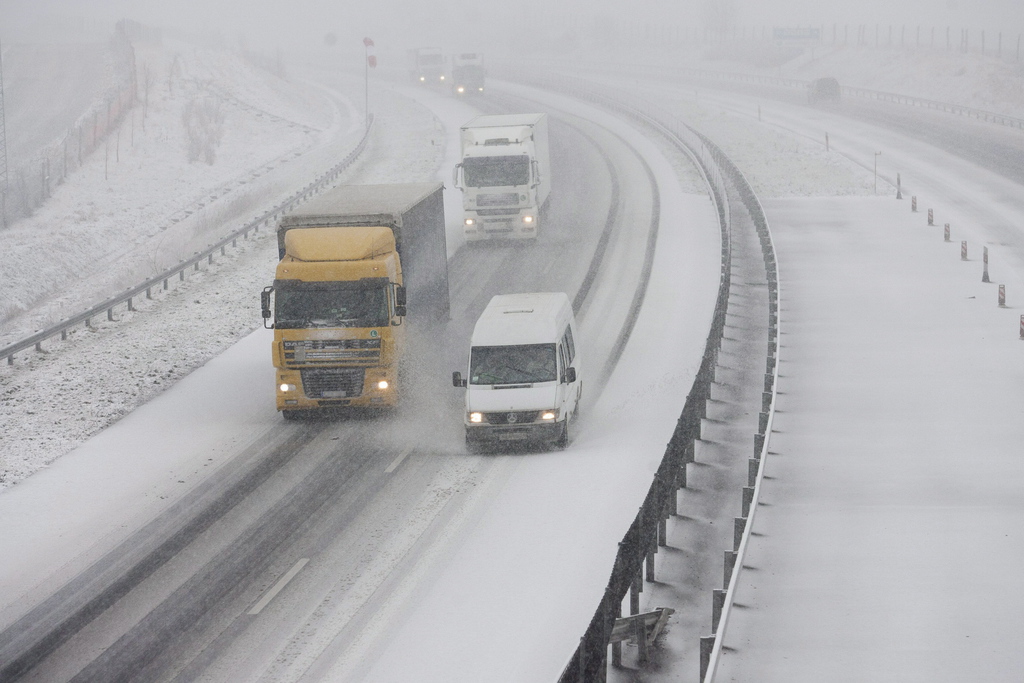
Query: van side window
x,y
569,346
562,356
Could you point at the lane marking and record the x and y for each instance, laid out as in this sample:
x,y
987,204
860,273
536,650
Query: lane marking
x,y
279,586
398,461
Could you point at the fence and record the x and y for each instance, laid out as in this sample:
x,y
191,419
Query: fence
x,y
30,183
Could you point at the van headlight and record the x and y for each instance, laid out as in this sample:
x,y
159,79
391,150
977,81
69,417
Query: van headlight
x,y
476,417
548,415
470,221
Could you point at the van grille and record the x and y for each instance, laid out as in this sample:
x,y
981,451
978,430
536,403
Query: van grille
x,y
332,382
520,417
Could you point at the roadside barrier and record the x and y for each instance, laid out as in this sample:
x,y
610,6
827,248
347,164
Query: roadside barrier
x,y
1002,296
963,250
945,231
635,560
931,217
984,272
162,280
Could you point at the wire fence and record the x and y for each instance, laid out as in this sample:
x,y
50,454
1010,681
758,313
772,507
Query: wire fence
x,y
30,183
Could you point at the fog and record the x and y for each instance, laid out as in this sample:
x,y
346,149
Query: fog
x,y
527,24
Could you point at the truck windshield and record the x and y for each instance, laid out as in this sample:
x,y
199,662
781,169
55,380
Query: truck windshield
x,y
523,364
496,171
331,306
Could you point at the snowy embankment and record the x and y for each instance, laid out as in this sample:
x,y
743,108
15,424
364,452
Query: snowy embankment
x,y
116,222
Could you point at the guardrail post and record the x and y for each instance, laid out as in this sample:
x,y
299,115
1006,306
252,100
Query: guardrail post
x,y
738,523
634,594
707,646
130,307
728,566
748,499
717,603
110,313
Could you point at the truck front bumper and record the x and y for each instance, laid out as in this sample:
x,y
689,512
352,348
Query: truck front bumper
x,y
336,387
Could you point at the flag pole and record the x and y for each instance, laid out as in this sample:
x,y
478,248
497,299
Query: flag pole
x,y
366,83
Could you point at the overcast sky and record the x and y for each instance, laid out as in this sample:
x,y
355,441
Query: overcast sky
x,y
286,22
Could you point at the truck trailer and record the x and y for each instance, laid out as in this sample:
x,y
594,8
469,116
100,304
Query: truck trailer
x,y
350,260
504,175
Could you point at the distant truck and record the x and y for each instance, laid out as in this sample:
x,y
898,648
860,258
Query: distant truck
x,y
338,302
524,382
504,175
468,73
426,65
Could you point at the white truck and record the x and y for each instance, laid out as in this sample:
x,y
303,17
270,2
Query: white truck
x,y
524,382
504,175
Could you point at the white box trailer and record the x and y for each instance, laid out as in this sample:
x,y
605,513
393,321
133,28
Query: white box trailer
x,y
524,382
504,175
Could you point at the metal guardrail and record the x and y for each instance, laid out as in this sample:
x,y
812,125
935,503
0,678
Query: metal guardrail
x,y
634,561
126,298
864,93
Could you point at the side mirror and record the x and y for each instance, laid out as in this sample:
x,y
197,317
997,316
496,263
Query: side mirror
x,y
455,176
570,376
265,305
400,302
536,173
457,380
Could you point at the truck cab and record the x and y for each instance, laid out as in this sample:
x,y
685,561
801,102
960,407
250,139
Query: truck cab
x,y
524,380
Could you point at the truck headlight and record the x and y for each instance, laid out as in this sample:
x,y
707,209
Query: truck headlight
x,y
476,417
470,221
548,415
383,384
285,388
461,89
527,219
423,78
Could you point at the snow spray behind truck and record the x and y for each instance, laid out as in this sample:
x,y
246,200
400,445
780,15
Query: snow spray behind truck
x,y
338,302
504,175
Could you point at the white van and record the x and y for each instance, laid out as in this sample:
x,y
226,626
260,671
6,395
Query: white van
x,y
524,381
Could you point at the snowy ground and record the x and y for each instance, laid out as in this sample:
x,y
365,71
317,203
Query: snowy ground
x,y
104,374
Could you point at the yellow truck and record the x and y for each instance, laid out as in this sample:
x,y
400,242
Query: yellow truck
x,y
338,305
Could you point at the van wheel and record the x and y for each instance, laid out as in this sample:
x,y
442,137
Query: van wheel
x,y
562,441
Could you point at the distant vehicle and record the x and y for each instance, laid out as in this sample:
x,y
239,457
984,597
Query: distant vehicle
x,y
338,302
468,73
504,175
524,382
824,90
426,65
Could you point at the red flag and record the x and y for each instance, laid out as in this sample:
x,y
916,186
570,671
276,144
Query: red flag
x,y
371,59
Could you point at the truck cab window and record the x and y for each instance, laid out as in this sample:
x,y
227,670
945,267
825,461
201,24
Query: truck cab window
x,y
496,171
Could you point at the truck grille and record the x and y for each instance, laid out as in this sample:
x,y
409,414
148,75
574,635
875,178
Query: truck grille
x,y
332,382
498,212
520,417
317,351
496,199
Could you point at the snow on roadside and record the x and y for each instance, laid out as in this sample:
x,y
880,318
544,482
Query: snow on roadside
x,y
53,401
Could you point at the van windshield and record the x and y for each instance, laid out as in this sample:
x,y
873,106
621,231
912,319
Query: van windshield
x,y
523,364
